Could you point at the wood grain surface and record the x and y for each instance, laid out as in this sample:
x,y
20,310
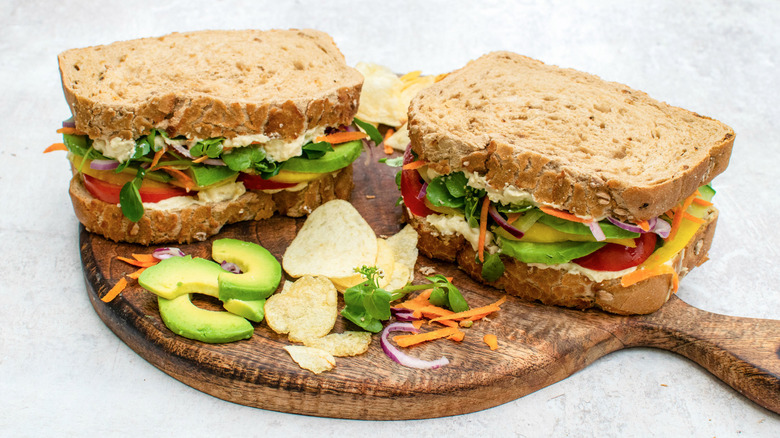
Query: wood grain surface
x,y
539,345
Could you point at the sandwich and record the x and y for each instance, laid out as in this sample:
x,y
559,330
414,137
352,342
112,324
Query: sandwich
x,y
560,187
173,137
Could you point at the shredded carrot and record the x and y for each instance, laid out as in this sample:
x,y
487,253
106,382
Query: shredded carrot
x,y
201,159
457,337
484,311
138,263
388,148
644,225
55,147
491,341
434,311
702,202
483,229
70,131
693,218
679,214
180,176
116,290
341,137
409,340
135,274
564,215
149,258
417,324
644,274
156,159
414,165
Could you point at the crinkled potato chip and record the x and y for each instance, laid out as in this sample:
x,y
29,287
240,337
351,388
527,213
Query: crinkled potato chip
x,y
332,242
349,343
385,261
312,359
404,247
385,97
400,139
308,309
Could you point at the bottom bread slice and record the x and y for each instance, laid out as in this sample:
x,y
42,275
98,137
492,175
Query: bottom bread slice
x,y
198,222
564,288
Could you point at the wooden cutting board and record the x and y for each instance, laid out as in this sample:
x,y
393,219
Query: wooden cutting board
x,y
539,345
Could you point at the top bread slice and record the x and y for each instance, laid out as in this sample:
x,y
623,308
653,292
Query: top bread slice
x,y
575,141
211,84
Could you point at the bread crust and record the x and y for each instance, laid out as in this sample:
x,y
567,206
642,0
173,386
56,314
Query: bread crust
x,y
198,222
484,119
561,288
198,105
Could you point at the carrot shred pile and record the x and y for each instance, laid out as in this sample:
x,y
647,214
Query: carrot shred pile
x,y
679,213
341,137
564,215
55,147
418,338
142,261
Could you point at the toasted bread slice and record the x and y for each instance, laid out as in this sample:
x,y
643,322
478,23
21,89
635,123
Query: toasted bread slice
x,y
207,84
570,139
200,221
560,287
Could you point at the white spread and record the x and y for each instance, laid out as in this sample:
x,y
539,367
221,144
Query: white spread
x,y
116,148
595,276
455,224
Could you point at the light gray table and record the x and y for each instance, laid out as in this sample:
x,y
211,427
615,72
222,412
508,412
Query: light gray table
x,y
63,373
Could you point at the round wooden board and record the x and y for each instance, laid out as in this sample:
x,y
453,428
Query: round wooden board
x,y
539,345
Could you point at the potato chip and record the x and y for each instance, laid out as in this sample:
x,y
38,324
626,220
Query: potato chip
x,y
308,309
332,242
404,247
385,97
400,139
402,275
385,261
312,359
349,343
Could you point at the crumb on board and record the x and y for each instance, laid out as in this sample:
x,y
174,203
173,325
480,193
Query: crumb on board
x,y
427,270
370,196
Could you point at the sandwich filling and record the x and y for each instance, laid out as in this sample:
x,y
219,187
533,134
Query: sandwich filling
x,y
159,172
510,223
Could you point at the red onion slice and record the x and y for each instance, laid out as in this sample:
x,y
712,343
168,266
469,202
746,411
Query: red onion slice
x,y
402,314
423,191
662,228
626,226
401,357
598,233
657,226
503,223
166,253
69,123
230,267
103,164
182,150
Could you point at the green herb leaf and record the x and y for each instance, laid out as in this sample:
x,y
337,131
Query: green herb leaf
x,y
493,267
393,162
312,151
369,129
130,198
439,195
243,158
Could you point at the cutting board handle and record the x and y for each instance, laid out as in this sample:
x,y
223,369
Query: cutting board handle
x,y
743,352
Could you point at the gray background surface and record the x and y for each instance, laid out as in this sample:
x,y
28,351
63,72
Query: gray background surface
x,y
64,373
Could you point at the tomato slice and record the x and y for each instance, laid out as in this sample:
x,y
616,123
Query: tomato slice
x,y
614,257
108,192
255,182
411,184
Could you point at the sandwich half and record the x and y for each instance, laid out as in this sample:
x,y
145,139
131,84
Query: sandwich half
x,y
560,187
173,137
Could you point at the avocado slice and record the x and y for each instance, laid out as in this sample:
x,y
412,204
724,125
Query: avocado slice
x,y
178,276
261,272
188,320
341,156
252,310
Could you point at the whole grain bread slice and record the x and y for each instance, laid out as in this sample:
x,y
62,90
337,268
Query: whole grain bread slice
x,y
215,83
575,141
